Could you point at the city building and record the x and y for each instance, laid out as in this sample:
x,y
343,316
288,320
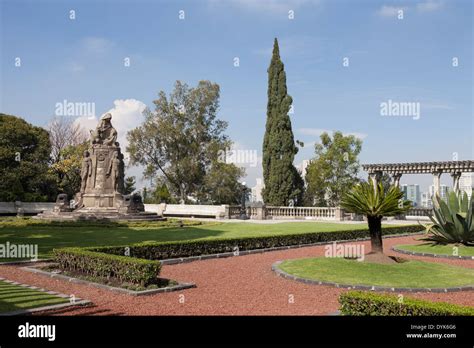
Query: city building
x,y
426,200
412,193
302,168
256,195
466,183
443,191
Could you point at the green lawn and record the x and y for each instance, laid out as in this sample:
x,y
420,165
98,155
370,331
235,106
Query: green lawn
x,y
54,235
413,274
431,248
15,297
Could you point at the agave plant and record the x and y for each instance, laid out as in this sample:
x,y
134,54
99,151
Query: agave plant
x,y
452,220
375,203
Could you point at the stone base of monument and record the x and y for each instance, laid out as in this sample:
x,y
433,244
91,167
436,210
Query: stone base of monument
x,y
99,215
102,194
112,207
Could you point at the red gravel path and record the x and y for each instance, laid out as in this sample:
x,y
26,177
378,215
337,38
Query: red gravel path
x,y
243,285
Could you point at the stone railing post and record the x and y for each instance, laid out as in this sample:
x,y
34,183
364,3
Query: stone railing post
x,y
339,214
456,176
261,212
437,181
19,209
226,211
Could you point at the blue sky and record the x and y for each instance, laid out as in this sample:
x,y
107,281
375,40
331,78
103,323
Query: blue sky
x,y
403,60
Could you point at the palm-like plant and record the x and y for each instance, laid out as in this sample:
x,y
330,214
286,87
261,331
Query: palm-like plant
x,y
375,203
453,221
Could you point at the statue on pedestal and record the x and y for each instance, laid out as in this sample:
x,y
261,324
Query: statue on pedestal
x,y
105,133
101,194
102,174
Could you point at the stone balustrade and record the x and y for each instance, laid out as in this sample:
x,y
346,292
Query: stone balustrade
x,y
203,211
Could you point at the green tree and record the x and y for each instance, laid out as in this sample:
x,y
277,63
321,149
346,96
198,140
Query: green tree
x,y
129,185
67,168
334,169
282,181
158,194
24,157
221,184
181,138
375,203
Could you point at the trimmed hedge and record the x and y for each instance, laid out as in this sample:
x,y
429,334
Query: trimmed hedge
x,y
122,268
366,303
141,266
187,248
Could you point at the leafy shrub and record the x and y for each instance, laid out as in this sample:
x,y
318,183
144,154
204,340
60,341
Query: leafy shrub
x,y
453,221
187,248
139,267
367,303
96,264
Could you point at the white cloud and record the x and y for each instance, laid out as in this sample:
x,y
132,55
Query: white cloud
x,y
126,115
390,11
316,132
429,6
96,45
421,7
439,106
266,6
75,67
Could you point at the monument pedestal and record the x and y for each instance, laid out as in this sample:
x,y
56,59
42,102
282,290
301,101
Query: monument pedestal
x,y
102,200
101,194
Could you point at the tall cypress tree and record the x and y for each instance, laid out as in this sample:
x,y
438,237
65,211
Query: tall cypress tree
x,y
282,180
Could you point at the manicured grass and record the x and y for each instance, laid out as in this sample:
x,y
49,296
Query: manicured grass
x,y
413,274
431,248
15,297
54,235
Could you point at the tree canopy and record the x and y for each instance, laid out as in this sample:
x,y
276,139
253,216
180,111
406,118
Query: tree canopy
x,y
180,140
24,158
334,169
282,181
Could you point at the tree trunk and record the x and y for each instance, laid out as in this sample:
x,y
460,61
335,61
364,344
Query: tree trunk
x,y
375,230
182,194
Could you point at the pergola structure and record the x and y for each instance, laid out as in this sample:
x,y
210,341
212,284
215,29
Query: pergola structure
x,y
396,170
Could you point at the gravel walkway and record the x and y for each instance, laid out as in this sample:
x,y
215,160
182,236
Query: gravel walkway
x,y
243,285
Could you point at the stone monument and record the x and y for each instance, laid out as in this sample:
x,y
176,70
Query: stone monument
x,y
102,183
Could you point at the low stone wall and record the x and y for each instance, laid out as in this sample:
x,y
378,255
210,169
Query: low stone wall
x,y
205,211
189,210
21,208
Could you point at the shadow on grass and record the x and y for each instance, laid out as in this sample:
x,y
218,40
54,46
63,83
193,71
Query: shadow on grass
x,y
25,301
49,236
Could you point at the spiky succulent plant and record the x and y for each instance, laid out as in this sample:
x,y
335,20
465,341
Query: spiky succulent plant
x,y
452,220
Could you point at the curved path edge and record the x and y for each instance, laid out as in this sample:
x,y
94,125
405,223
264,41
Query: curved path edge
x,y
439,256
283,274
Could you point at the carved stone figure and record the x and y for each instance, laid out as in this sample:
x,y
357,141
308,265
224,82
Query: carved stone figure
x,y
114,171
101,194
104,133
86,170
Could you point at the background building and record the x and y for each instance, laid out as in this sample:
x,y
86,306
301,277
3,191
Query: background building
x,y
466,183
302,168
426,200
443,191
256,195
412,193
